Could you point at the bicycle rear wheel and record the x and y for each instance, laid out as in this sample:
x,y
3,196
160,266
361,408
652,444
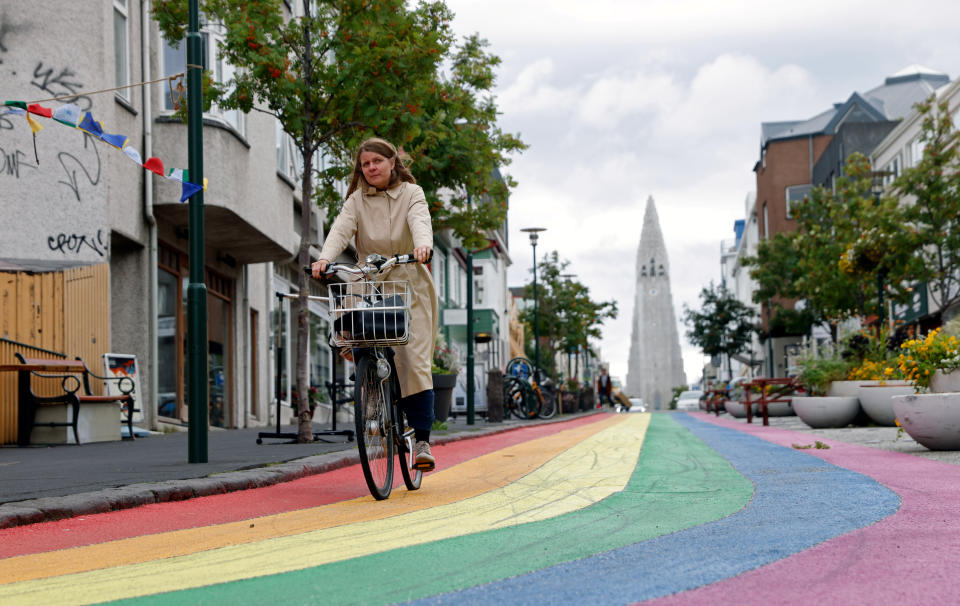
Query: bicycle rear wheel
x,y
548,403
374,428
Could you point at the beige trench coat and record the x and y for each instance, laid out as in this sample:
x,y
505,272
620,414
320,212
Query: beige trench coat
x,y
390,222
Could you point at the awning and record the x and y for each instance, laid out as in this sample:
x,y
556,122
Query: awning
x,y
227,231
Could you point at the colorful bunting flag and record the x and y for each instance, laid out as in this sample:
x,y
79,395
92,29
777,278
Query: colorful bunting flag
x,y
189,189
118,141
35,108
71,115
133,154
154,165
68,114
35,126
90,126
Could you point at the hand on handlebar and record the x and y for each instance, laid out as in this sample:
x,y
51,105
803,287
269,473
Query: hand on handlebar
x,y
423,254
318,268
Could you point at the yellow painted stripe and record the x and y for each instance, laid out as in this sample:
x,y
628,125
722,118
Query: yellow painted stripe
x,y
589,471
459,482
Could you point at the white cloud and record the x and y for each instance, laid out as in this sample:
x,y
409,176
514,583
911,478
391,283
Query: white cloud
x,y
621,99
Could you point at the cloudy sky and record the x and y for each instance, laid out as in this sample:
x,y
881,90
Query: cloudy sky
x,y
623,99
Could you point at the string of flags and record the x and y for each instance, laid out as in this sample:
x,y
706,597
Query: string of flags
x,y
72,116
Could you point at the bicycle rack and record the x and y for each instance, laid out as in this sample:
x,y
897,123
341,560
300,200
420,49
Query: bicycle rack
x,y
332,387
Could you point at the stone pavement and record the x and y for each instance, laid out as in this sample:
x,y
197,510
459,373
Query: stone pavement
x,y
45,483
884,438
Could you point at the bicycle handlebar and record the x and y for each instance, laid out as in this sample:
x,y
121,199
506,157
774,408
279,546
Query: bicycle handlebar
x,y
374,264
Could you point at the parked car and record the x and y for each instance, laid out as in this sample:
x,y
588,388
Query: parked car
x,y
689,400
636,405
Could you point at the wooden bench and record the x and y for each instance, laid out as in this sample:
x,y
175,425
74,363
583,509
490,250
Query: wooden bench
x,y
73,374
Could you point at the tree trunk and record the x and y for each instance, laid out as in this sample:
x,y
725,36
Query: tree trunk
x,y
305,427
304,418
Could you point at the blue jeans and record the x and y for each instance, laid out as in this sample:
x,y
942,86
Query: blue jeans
x,y
419,409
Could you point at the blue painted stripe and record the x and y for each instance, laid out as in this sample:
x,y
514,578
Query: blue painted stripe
x,y
800,501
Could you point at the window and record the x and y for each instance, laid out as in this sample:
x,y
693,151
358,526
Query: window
x,y
175,62
121,48
891,171
440,276
916,151
766,222
795,194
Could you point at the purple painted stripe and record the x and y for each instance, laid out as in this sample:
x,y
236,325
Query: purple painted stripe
x,y
910,557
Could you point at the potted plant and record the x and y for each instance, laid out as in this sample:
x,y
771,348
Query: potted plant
x,y
932,419
879,379
820,410
446,366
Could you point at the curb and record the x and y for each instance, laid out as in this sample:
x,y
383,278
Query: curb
x,y
50,509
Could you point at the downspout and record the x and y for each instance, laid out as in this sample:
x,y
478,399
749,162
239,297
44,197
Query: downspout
x,y
150,403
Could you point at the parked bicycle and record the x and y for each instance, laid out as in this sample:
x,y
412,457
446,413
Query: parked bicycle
x,y
525,396
368,317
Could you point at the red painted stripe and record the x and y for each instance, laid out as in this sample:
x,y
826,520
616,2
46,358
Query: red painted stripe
x,y
312,491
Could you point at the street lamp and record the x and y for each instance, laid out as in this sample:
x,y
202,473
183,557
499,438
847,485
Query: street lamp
x,y
471,380
568,277
876,188
534,235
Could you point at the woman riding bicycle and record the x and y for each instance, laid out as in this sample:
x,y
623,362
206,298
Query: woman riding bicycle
x,y
388,214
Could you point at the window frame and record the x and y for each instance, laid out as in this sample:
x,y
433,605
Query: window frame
x,y
121,8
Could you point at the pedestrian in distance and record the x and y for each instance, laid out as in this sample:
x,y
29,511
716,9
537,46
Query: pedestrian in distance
x,y
387,213
604,388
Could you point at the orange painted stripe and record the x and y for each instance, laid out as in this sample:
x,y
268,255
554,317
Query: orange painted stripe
x,y
462,481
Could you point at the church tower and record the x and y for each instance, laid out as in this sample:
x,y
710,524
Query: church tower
x,y
655,365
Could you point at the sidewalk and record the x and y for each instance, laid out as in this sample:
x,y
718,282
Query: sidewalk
x,y
41,484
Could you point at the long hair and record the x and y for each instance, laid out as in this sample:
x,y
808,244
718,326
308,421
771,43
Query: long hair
x,y
386,149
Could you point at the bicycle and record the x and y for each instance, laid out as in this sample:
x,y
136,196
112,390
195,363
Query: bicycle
x,y
521,376
369,317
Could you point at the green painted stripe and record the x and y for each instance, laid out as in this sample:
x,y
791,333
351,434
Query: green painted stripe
x,y
679,483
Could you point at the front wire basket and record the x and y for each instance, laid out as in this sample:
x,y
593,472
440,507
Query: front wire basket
x,y
370,313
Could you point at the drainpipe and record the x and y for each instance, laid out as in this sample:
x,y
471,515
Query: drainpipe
x,y
153,390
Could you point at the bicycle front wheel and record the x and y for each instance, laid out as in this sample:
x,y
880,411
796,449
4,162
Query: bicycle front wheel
x,y
374,428
411,477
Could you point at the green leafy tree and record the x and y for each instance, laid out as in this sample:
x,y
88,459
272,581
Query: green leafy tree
x,y
932,209
722,326
845,242
350,69
568,316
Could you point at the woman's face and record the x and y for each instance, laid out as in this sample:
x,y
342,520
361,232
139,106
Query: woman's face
x,y
376,168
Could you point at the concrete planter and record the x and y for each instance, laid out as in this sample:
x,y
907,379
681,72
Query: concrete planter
x,y
822,412
877,401
931,419
848,389
739,409
780,409
942,382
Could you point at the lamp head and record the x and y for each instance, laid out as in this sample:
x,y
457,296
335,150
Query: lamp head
x,y
534,233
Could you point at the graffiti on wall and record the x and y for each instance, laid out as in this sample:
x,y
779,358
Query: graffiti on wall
x,y
60,84
90,166
8,27
76,243
13,161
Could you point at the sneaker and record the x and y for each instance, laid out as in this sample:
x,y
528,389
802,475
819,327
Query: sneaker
x,y
422,457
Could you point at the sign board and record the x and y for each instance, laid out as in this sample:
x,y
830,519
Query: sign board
x,y
455,317
123,365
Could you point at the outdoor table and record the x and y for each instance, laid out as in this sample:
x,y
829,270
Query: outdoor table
x,y
779,388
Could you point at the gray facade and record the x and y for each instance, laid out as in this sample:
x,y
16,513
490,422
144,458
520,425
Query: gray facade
x,y
87,203
655,365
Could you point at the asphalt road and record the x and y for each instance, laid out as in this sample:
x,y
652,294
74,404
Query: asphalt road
x,y
607,509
